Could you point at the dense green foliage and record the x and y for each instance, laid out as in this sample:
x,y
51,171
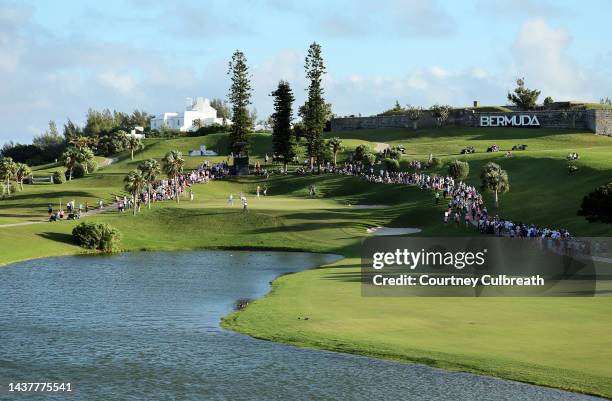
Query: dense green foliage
x,y
440,113
59,177
173,164
395,110
96,236
240,97
524,97
283,140
223,110
458,170
135,183
494,179
335,145
8,172
28,154
548,101
150,169
133,144
391,165
209,129
597,205
112,143
313,112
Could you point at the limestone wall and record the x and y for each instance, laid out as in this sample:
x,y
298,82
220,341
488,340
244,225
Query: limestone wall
x,y
598,121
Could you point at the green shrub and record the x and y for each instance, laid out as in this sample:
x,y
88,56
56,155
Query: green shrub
x,y
78,171
92,166
59,177
13,186
362,152
391,164
597,206
434,163
98,236
210,129
458,170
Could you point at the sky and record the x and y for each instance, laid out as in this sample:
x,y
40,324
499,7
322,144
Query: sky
x,y
60,58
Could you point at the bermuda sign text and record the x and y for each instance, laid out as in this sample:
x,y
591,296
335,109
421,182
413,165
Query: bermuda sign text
x,y
523,120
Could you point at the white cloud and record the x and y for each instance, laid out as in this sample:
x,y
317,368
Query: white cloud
x,y
422,18
372,94
541,56
439,72
122,82
522,8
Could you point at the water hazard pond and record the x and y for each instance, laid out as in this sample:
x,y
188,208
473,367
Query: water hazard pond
x,y
145,326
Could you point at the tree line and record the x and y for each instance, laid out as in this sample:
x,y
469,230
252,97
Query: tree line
x,y
315,113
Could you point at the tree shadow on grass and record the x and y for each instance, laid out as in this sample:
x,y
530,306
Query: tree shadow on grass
x,y
348,277
314,226
47,195
57,237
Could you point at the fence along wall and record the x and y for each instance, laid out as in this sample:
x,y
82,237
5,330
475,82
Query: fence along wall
x,y
598,121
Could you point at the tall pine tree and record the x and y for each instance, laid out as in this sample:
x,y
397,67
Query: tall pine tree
x,y
283,141
314,110
240,98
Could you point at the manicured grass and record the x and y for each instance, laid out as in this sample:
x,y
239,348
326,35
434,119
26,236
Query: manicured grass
x,y
560,342
556,342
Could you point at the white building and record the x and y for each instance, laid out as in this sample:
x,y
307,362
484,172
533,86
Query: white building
x,y
137,132
200,109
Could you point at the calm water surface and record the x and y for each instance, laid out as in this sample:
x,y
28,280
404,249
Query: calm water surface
x,y
145,326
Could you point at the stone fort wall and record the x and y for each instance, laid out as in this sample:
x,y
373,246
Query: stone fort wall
x,y
598,121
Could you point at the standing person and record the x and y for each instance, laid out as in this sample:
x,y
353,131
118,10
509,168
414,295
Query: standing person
x,y
191,194
86,206
266,158
437,197
446,217
230,200
50,210
258,189
100,204
265,190
245,205
457,219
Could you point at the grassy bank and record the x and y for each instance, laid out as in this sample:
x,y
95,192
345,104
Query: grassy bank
x,y
556,342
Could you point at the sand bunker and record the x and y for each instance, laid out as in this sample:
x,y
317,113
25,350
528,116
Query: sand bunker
x,y
384,231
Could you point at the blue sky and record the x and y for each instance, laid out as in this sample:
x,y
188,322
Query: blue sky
x,y
59,58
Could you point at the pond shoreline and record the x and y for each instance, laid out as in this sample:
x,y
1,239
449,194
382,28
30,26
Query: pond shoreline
x,y
229,322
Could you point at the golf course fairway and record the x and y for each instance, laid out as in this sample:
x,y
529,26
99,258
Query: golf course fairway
x,y
558,342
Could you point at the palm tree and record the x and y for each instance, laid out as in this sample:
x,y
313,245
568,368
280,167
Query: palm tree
x,y
80,141
494,179
85,157
133,143
135,182
23,170
8,170
70,159
150,169
335,144
173,168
